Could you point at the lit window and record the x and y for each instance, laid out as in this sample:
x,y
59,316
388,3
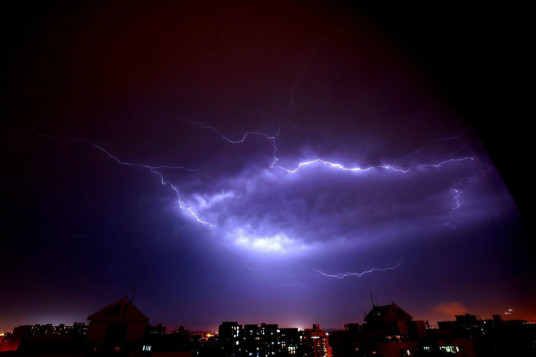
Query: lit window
x,y
449,349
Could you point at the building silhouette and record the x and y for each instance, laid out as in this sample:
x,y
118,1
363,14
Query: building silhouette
x,y
269,340
318,340
118,327
121,329
390,331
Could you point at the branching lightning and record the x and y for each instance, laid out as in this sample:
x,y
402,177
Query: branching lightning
x,y
154,169
271,138
318,161
456,197
456,193
340,167
419,161
239,141
360,169
356,275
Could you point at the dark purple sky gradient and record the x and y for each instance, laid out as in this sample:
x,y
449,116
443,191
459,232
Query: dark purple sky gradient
x,y
406,188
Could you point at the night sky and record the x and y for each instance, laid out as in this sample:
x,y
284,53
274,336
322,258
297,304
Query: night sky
x,y
261,161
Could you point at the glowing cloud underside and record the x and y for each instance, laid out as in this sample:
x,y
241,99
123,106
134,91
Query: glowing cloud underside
x,y
341,200
318,199
279,210
279,243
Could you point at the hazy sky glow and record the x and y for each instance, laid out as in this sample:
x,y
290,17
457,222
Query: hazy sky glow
x,y
264,162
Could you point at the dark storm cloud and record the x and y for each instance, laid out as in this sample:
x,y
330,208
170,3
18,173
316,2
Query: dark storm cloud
x,y
324,204
121,89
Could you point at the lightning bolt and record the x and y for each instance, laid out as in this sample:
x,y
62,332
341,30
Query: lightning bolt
x,y
456,197
271,138
434,142
318,161
340,167
357,275
360,169
457,193
454,160
154,169
357,169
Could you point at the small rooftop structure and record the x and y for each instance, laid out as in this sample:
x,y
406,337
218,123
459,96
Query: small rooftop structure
x,y
119,326
388,313
120,311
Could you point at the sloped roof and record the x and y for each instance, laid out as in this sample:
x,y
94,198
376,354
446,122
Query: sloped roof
x,y
391,312
121,310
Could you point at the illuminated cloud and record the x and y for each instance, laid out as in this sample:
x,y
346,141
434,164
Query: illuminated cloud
x,y
279,243
221,159
277,210
326,203
451,308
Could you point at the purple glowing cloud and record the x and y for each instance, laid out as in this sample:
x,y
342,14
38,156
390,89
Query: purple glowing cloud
x,y
278,210
235,148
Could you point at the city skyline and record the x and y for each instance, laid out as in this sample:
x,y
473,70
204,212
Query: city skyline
x,y
508,315
387,329
254,162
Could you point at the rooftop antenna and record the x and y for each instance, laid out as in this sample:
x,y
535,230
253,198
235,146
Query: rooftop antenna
x,y
372,300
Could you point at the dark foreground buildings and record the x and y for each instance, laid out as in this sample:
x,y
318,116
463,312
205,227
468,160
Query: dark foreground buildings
x,y
121,329
391,332
269,340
